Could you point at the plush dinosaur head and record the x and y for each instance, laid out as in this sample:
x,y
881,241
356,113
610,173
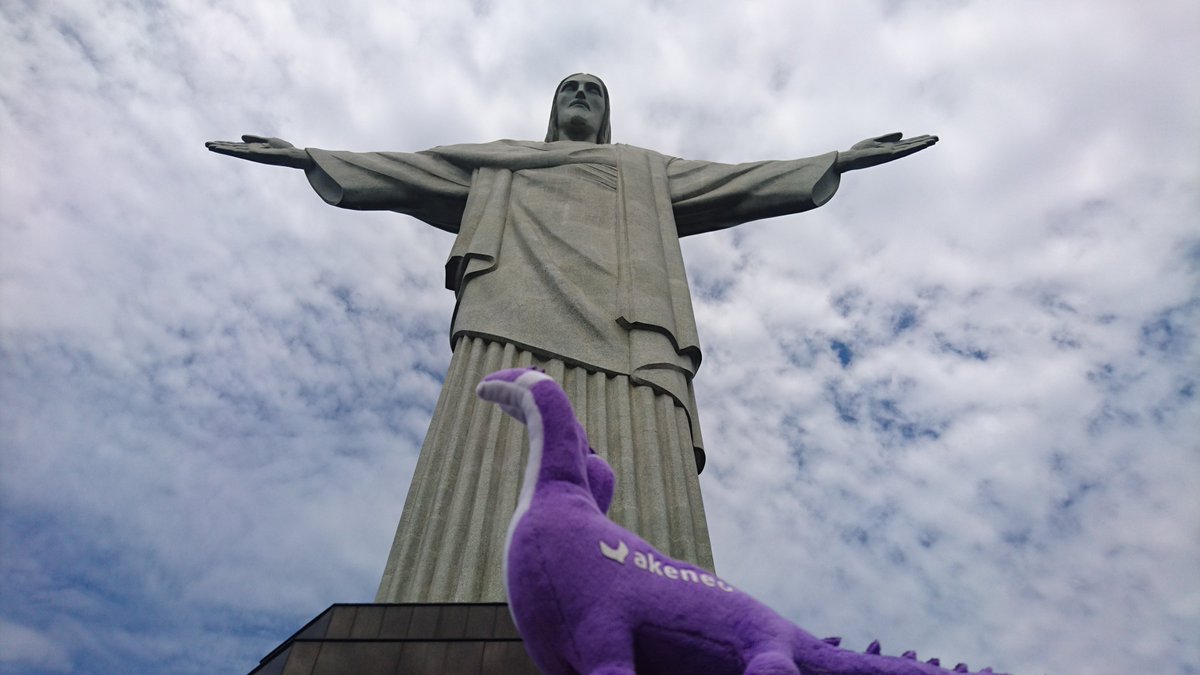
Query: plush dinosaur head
x,y
513,391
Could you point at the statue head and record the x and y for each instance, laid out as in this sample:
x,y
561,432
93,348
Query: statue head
x,y
580,110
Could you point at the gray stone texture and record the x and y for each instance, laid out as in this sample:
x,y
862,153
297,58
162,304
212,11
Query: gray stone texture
x,y
567,255
414,639
568,252
449,546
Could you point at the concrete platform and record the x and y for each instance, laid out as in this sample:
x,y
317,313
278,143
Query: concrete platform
x,y
404,639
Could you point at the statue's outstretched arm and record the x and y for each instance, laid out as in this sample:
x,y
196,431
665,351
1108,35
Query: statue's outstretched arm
x,y
880,150
264,150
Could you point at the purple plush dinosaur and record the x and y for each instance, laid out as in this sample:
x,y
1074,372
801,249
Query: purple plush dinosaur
x,y
589,597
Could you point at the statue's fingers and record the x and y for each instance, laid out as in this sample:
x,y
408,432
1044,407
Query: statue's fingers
x,y
908,149
910,145
226,148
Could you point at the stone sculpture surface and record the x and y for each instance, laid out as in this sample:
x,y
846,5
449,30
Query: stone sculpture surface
x,y
566,257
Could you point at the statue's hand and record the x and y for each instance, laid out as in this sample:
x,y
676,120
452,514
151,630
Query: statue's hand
x,y
880,150
263,149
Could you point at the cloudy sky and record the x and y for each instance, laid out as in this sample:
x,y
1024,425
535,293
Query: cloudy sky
x,y
955,409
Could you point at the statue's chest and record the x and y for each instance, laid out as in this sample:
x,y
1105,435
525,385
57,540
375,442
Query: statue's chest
x,y
569,210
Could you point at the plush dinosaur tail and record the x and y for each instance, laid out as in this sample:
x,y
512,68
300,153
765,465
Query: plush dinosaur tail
x,y
825,656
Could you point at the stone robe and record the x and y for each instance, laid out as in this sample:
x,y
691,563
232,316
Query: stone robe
x,y
567,256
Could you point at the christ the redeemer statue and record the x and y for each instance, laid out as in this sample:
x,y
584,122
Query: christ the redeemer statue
x,y
566,257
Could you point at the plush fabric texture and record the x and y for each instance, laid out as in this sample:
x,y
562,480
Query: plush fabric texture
x,y
591,598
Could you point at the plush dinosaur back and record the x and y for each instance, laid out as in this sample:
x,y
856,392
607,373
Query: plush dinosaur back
x,y
601,480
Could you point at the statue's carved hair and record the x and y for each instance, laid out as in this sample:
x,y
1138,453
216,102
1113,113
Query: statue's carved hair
x,y
604,135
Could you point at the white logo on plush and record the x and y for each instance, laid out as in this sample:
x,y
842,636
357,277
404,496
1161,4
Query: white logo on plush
x,y
648,563
618,554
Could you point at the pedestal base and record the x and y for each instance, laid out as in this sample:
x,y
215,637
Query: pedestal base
x,y
404,639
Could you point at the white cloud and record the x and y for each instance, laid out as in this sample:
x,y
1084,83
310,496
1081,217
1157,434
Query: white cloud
x,y
23,647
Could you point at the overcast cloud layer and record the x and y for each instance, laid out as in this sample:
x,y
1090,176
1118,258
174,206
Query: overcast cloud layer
x,y
955,409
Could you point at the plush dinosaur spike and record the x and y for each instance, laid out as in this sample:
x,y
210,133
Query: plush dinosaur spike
x,y
835,641
934,661
962,668
591,598
874,647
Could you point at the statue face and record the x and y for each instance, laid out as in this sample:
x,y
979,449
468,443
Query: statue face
x,y
580,107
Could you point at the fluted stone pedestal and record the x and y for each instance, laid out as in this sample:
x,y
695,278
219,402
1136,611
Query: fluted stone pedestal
x,y
449,545
404,639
